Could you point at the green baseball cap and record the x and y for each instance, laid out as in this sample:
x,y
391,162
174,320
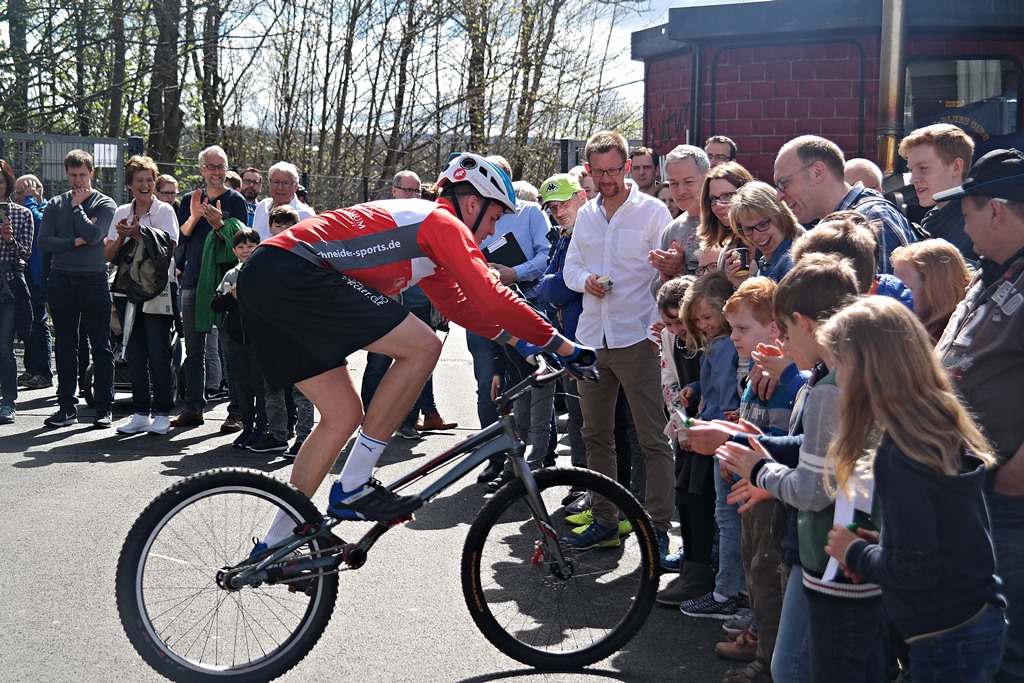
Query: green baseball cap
x,y
558,188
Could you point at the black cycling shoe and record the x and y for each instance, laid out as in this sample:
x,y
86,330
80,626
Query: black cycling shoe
x,y
490,472
371,501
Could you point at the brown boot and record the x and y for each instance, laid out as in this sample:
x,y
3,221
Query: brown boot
x,y
187,418
434,421
741,649
755,672
693,581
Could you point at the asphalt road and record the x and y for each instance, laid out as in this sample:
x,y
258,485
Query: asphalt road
x,y
70,495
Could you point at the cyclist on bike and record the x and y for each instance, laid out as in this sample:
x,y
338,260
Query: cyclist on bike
x,y
320,291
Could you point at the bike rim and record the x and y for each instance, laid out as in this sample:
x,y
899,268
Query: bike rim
x,y
187,615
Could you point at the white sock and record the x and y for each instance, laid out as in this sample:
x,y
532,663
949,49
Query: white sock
x,y
280,528
720,598
361,460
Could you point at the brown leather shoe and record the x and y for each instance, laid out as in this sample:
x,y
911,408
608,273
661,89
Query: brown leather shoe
x,y
232,424
434,421
187,418
743,649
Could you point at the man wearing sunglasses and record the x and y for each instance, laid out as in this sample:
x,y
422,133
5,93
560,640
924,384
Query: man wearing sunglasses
x,y
810,177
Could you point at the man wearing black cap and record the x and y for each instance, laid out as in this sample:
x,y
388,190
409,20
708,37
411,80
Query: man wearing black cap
x,y
983,348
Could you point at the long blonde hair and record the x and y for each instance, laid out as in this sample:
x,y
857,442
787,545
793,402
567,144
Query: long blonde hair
x,y
944,280
715,289
890,379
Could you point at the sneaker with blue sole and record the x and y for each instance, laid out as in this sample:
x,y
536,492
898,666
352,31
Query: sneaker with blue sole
x,y
372,502
594,536
625,528
672,562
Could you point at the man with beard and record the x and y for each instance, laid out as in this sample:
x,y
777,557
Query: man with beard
x,y
252,185
607,262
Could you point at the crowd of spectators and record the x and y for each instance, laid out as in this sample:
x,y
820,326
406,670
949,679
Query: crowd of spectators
x,y
744,392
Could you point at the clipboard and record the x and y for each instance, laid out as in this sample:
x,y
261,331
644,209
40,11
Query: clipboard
x,y
505,250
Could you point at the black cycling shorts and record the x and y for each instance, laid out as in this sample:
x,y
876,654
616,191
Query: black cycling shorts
x,y
305,320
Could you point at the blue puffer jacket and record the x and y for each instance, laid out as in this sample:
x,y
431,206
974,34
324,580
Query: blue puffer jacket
x,y
551,290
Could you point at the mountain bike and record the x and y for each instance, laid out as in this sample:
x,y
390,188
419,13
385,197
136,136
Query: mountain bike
x,y
198,607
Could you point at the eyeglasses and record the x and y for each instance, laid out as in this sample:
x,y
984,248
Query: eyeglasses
x,y
709,268
610,172
409,190
250,181
760,227
167,193
781,182
724,199
720,157
283,183
214,167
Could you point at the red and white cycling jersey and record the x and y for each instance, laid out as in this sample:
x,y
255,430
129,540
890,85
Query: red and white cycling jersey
x,y
393,244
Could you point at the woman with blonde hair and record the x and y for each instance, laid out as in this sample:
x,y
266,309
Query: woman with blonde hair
x,y
766,227
934,559
937,276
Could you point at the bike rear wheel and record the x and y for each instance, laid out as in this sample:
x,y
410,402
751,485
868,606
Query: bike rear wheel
x,y
185,623
531,613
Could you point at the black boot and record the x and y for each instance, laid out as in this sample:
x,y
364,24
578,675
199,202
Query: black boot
x,y
490,472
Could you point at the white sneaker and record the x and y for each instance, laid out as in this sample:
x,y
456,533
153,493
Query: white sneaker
x,y
138,423
161,425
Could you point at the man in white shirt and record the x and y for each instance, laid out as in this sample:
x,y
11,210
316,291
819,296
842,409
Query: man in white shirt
x,y
284,181
607,260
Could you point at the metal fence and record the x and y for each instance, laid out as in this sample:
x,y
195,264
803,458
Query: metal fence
x,y
43,156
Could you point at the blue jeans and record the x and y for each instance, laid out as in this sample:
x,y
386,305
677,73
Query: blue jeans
x,y
848,639
482,351
8,363
969,654
730,579
792,659
149,359
1007,518
195,355
82,299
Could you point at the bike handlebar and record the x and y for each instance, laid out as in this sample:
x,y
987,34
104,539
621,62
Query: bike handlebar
x,y
549,369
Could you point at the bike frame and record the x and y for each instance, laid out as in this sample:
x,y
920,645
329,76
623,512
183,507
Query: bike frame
x,y
498,438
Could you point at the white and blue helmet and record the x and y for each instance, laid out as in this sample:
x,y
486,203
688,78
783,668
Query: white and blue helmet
x,y
489,180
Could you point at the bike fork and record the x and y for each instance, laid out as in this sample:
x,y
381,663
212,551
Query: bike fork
x,y
552,544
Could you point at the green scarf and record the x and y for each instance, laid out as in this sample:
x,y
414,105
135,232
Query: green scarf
x,y
218,259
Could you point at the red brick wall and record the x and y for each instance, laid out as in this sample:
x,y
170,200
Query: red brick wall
x,y
767,95
667,109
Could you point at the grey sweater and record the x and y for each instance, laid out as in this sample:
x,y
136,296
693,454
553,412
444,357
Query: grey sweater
x,y
62,224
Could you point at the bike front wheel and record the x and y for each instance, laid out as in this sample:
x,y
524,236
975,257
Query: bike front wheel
x,y
539,614
177,609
